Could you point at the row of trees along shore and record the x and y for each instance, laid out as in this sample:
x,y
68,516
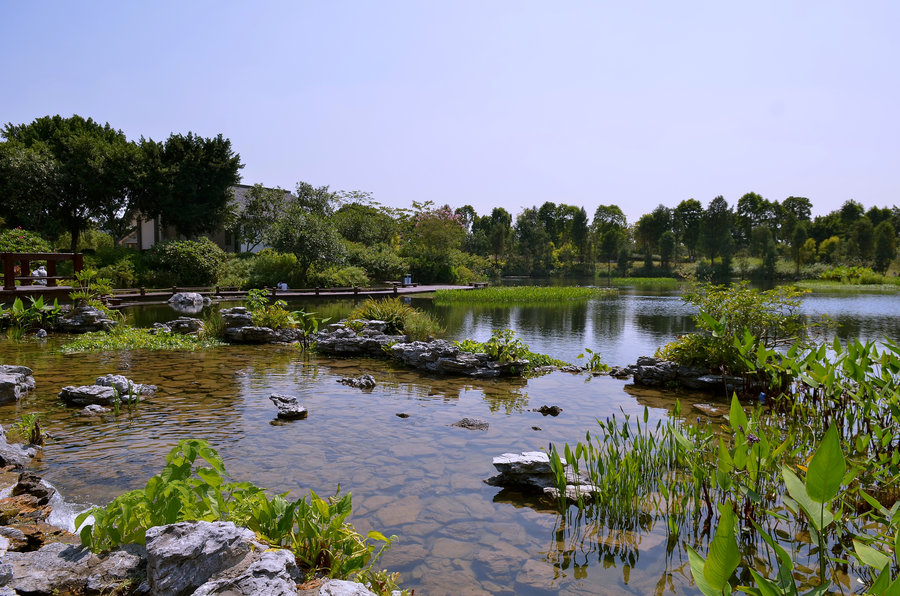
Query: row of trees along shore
x,y
67,178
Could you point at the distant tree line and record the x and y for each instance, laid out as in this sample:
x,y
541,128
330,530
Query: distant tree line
x,y
68,177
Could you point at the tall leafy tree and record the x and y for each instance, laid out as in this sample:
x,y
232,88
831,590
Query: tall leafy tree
x,y
64,173
187,181
885,246
715,233
607,217
254,218
752,211
309,236
793,211
534,243
686,221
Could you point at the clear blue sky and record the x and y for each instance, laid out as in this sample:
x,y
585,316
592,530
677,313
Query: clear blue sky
x,y
490,103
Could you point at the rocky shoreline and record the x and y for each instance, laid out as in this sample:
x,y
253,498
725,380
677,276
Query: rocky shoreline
x,y
38,557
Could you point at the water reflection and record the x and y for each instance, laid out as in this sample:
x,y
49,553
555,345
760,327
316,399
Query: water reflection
x,y
417,477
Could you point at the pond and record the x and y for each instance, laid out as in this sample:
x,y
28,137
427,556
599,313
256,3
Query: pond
x,y
417,477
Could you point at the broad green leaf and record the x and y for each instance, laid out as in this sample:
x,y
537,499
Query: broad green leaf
x,y
697,564
819,517
870,556
737,417
765,587
826,470
724,556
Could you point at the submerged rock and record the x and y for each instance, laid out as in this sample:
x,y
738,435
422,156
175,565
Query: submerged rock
x,y
361,382
288,406
93,410
15,381
471,424
549,410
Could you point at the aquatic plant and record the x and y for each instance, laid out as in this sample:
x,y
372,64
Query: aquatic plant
x,y
131,338
90,289
193,485
400,318
593,360
504,346
28,429
521,295
36,315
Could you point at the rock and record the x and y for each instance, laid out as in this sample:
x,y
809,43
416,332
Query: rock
x,y
66,568
340,587
361,382
549,410
93,410
443,357
654,372
15,381
30,483
531,470
288,406
84,319
13,454
40,334
471,424
619,372
344,341
186,299
260,335
711,410
215,558
238,316
125,386
185,325
402,415
105,391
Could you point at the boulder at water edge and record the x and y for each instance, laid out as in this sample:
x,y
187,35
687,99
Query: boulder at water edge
x,y
203,558
106,391
15,381
84,319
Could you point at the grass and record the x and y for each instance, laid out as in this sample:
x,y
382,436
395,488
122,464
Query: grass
x,y
131,338
400,318
520,295
822,285
644,282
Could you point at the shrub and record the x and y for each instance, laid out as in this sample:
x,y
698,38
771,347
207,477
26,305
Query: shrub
x,y
266,313
380,262
236,271
187,262
336,277
270,267
19,240
400,318
504,346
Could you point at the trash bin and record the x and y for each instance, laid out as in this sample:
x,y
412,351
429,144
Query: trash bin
x,y
407,279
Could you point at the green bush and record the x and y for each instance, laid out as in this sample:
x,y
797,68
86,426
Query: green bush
x,y
504,346
336,277
380,262
270,267
186,262
89,240
19,240
236,271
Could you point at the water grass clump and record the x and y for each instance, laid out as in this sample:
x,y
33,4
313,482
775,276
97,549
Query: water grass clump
x,y
521,295
132,338
400,318
504,346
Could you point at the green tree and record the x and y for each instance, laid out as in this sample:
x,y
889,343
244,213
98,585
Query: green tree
x,y
256,215
829,249
885,246
64,173
666,249
309,236
187,181
862,239
793,211
610,243
686,221
365,224
715,234
797,241
607,217
534,242
435,236
753,211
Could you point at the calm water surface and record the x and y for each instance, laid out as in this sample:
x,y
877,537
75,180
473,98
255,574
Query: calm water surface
x,y
416,477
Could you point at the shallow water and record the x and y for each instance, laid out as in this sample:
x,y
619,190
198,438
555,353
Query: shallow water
x,y
416,477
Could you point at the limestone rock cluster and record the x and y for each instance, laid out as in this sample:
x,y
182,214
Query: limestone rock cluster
x,y
655,372
105,391
436,356
185,325
15,381
83,319
239,328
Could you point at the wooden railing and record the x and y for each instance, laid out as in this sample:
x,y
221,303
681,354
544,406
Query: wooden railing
x,y
24,260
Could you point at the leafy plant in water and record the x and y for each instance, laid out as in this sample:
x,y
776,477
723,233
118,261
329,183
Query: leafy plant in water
x,y
28,429
400,318
36,315
594,361
266,313
314,529
91,289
